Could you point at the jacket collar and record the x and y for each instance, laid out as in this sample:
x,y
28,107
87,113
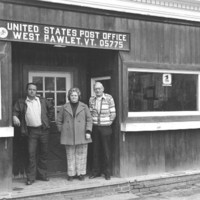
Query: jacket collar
x,y
26,98
29,100
103,96
79,108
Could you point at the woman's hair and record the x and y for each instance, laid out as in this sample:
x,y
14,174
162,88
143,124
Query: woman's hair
x,y
74,90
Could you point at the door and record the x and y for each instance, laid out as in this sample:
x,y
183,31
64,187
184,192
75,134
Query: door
x,y
54,87
105,80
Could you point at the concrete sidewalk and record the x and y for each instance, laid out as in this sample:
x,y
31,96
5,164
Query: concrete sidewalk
x,y
60,185
191,193
127,188
126,196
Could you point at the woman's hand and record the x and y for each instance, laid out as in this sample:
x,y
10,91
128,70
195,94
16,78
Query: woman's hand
x,y
87,136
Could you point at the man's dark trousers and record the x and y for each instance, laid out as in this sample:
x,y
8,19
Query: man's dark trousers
x,y
101,149
37,167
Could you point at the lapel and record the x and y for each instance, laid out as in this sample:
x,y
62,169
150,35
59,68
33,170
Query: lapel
x,y
68,109
78,110
80,107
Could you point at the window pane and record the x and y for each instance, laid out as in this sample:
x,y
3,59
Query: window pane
x,y
49,83
61,99
39,94
61,84
162,92
58,109
50,97
38,81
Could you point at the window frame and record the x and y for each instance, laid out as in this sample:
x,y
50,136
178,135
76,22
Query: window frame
x,y
157,120
167,113
53,74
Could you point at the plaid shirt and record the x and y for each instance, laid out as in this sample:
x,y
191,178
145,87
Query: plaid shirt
x,y
107,113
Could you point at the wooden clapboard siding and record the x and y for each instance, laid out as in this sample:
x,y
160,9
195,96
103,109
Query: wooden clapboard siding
x,y
6,117
157,152
5,165
6,95
161,41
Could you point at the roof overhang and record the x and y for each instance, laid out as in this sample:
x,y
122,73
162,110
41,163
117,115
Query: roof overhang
x,y
177,9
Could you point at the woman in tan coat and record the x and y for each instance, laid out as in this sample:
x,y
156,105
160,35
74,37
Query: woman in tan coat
x,y
75,124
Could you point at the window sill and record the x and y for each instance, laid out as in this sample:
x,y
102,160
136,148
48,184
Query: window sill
x,y
158,126
163,113
6,132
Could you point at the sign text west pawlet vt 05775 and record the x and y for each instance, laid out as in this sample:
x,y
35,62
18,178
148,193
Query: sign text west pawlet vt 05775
x,y
60,35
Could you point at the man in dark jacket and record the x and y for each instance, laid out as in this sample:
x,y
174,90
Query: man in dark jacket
x,y
32,116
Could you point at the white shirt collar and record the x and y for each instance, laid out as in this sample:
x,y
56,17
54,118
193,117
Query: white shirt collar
x,y
28,99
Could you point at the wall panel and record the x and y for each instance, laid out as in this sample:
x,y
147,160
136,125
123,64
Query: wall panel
x,y
6,120
151,42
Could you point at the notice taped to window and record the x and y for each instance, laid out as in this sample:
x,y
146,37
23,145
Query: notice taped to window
x,y
167,80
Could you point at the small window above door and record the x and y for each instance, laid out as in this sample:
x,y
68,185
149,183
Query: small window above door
x,y
105,80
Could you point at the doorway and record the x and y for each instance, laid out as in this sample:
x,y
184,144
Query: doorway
x,y
55,70
106,81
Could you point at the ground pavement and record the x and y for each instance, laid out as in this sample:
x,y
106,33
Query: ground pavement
x,y
190,193
58,188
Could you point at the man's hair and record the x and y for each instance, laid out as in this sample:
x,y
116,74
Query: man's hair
x,y
98,83
74,90
27,85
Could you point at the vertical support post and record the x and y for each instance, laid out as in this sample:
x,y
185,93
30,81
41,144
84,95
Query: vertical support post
x,y
6,119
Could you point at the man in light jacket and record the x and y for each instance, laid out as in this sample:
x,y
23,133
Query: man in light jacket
x,y
102,108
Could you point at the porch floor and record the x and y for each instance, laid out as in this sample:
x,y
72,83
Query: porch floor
x,y
60,184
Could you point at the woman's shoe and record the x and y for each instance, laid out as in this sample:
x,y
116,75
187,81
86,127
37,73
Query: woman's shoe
x,y
29,182
70,178
81,177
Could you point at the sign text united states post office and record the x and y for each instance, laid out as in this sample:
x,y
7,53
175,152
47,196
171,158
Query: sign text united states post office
x,y
35,33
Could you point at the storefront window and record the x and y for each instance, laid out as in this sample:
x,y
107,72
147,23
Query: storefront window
x,y
162,91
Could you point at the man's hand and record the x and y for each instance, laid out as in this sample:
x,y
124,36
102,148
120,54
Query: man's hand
x,y
16,121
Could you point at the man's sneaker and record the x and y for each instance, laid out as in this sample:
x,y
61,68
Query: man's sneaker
x,y
107,177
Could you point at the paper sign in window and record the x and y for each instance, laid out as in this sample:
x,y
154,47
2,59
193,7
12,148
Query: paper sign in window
x,y
167,79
